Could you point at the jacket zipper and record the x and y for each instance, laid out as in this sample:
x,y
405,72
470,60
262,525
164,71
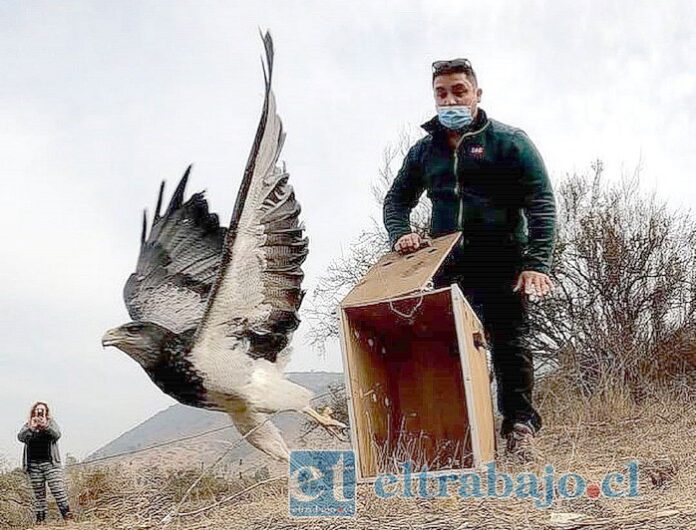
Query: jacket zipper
x,y
457,187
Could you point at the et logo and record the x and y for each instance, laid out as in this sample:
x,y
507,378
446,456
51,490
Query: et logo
x,y
322,483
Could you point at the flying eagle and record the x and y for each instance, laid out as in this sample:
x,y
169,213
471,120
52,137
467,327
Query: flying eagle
x,y
214,309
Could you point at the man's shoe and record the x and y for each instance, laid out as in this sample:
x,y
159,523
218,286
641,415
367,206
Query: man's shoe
x,y
520,443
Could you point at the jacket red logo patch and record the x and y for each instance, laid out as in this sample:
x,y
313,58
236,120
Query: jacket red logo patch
x,y
476,151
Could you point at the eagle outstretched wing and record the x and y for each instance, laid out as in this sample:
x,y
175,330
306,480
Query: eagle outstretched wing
x,y
178,262
257,292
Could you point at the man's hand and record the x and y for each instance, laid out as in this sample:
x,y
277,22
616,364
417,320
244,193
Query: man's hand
x,y
409,243
34,423
43,422
533,284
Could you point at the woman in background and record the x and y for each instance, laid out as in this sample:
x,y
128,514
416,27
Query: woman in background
x,y
41,460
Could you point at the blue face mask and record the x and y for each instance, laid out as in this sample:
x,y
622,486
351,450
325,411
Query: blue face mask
x,y
455,117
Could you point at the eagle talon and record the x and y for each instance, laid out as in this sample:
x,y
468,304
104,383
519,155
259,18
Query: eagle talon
x,y
336,432
334,427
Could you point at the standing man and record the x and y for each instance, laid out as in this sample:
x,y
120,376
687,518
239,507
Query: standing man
x,y
486,180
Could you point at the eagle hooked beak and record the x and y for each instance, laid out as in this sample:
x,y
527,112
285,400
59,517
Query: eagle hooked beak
x,y
112,337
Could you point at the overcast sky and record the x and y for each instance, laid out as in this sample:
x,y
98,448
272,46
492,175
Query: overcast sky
x,y
99,101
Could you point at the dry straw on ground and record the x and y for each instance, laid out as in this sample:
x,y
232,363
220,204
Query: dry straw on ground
x,y
588,436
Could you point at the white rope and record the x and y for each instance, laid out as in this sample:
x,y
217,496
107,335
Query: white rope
x,y
409,316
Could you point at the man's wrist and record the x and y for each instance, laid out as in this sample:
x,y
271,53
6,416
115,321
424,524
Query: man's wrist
x,y
395,240
535,268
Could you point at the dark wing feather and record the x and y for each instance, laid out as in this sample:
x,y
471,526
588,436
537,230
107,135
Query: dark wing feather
x,y
178,263
258,292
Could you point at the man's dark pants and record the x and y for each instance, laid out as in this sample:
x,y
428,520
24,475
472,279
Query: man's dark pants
x,y
486,278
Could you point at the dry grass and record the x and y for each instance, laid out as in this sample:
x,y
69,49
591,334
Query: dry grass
x,y
588,436
15,496
417,449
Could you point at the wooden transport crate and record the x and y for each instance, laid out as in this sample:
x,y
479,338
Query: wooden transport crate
x,y
416,371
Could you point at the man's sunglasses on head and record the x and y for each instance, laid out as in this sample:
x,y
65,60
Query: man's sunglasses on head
x,y
439,66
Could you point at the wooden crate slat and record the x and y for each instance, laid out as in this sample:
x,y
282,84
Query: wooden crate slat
x,y
394,275
413,369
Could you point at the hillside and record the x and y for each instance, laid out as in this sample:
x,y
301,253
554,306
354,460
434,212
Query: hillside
x,y
181,421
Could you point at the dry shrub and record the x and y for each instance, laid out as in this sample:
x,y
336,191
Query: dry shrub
x,y
91,486
624,308
209,488
343,273
130,497
15,497
563,402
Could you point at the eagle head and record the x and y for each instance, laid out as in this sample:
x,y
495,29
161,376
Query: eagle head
x,y
142,341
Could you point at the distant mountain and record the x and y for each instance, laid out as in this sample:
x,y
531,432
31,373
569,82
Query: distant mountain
x,y
181,421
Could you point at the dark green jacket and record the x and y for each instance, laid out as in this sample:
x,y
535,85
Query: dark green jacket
x,y
494,189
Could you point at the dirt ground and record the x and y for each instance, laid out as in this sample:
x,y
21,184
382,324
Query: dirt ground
x,y
590,437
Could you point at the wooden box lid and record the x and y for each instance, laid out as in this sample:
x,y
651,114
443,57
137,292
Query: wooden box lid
x,y
397,274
